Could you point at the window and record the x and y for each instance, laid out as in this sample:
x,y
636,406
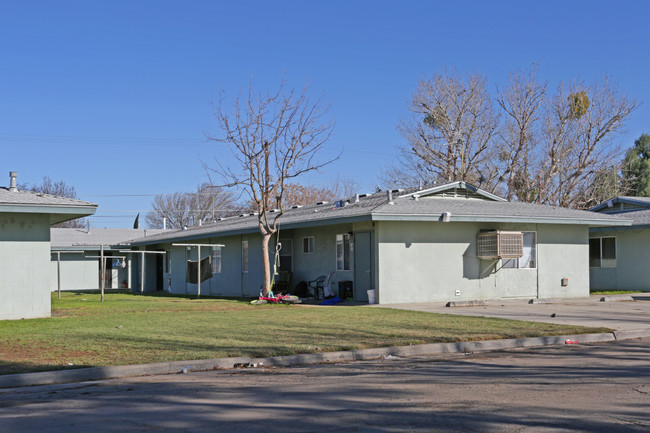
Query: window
x,y
344,249
308,244
216,260
602,252
168,261
529,254
244,256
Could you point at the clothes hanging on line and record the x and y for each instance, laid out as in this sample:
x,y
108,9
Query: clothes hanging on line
x,y
206,270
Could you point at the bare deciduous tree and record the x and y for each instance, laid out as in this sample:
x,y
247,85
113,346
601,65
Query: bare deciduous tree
x,y
579,127
344,187
275,138
549,148
521,102
451,129
191,208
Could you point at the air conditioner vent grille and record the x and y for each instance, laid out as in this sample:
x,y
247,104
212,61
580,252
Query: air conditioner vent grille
x,y
500,245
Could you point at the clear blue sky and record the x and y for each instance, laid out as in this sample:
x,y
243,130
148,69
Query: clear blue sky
x,y
114,97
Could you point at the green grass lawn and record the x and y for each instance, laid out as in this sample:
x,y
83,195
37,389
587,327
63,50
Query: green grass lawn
x,y
613,292
132,329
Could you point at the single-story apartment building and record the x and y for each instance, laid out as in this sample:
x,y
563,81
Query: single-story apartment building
x,y
618,254
439,243
25,220
75,263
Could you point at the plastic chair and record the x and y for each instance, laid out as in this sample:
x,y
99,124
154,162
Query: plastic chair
x,y
318,284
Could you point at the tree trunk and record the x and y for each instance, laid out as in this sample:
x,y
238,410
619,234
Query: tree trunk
x,y
266,263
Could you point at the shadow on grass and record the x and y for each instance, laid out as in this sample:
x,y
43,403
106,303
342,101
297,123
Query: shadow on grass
x,y
9,367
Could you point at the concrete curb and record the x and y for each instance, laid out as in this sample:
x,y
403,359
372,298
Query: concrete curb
x,y
616,298
465,304
101,373
631,334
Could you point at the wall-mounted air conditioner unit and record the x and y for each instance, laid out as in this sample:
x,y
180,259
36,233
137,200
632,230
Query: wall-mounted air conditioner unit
x,y
500,244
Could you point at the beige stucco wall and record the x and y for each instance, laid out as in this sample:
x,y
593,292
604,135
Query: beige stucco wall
x,y
632,258
24,266
415,262
77,272
430,261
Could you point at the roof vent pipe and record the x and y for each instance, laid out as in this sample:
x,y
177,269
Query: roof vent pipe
x,y
12,181
390,197
356,198
164,223
88,226
446,217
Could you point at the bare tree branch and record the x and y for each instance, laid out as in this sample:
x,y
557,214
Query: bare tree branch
x,y
275,137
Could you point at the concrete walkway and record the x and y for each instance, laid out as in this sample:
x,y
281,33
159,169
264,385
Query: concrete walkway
x,y
616,315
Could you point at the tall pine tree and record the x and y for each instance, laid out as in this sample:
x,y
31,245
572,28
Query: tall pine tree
x,y
636,168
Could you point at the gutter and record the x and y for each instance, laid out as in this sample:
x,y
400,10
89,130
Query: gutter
x,y
249,230
510,219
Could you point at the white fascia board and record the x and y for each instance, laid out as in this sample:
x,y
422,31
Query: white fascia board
x,y
49,209
614,200
251,230
504,219
447,186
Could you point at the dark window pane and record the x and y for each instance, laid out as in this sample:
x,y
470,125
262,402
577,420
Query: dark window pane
x,y
594,253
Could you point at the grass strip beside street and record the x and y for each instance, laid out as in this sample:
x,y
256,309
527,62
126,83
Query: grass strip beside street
x,y
133,329
613,292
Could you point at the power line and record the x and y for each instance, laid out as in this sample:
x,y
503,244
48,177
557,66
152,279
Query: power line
x,y
131,141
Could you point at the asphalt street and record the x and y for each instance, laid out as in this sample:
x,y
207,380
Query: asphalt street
x,y
601,387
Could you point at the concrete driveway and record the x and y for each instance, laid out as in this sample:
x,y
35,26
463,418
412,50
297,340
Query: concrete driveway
x,y
617,315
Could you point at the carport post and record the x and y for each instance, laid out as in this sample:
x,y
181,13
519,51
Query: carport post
x,y
198,272
142,255
58,268
58,272
142,272
102,268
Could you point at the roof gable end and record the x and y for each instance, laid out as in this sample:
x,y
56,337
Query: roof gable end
x,y
455,190
622,204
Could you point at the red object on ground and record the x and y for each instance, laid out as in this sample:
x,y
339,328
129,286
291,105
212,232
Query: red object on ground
x,y
571,342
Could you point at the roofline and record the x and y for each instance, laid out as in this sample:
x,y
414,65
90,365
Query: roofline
x,y
97,247
611,228
510,219
255,230
387,217
86,210
619,199
458,184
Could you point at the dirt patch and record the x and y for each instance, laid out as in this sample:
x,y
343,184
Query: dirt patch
x,y
64,313
19,358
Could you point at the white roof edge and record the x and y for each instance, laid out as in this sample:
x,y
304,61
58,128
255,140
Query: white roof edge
x,y
617,199
505,218
457,184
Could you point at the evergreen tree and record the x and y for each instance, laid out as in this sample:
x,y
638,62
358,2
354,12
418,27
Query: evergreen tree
x,y
636,168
